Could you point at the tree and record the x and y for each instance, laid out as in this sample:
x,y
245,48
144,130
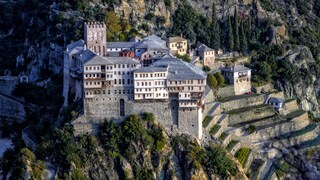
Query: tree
x,y
243,39
113,23
215,30
236,31
212,81
230,44
219,78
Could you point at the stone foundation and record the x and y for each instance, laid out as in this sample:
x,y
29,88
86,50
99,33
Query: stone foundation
x,y
242,103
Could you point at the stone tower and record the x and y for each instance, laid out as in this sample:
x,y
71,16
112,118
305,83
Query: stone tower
x,y
95,37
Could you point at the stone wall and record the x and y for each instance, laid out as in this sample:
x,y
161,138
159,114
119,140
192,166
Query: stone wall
x,y
226,91
169,116
266,88
276,95
11,108
289,106
295,124
256,113
243,102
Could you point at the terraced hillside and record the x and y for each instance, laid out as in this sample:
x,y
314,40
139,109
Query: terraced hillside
x,y
258,136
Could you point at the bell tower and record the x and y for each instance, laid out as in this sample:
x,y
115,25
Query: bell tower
x,y
95,37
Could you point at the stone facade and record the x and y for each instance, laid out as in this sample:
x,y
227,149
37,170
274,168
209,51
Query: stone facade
x,y
225,91
239,76
177,45
95,37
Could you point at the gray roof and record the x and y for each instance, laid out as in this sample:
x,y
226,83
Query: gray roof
x,y
98,60
121,44
154,38
151,69
86,56
203,47
175,39
276,100
235,68
75,45
180,70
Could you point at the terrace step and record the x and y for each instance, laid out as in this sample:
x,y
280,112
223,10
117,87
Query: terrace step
x,y
296,137
216,109
213,121
266,132
267,171
309,143
257,167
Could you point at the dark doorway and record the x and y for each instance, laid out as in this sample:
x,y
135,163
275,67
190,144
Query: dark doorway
x,y
122,111
174,105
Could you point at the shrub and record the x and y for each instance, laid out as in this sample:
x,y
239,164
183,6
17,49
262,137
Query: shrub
x,y
251,129
206,68
184,58
149,16
219,78
212,81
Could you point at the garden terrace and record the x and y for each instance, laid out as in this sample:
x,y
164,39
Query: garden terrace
x,y
295,114
237,97
306,129
206,121
256,167
232,144
223,136
236,111
258,122
242,155
309,143
214,129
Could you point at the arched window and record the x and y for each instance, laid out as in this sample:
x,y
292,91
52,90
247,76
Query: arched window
x,y
122,108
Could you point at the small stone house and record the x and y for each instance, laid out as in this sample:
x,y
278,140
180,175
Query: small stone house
x,y
206,54
277,103
239,76
177,45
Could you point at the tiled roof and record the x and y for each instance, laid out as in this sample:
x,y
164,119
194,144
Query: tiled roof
x,y
98,60
203,47
276,100
236,68
75,45
175,39
151,69
121,44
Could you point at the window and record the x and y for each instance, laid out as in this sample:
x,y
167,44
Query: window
x,y
149,83
128,81
123,66
119,66
86,68
123,81
119,81
115,81
135,75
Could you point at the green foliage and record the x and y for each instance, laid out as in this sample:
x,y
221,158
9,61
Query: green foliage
x,y
149,16
230,40
206,69
214,129
167,3
77,174
243,39
206,121
220,78
223,136
149,117
145,27
251,129
282,168
236,32
231,144
184,58
212,81
242,155
217,161
215,30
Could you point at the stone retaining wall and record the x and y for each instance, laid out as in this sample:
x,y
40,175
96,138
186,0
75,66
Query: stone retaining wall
x,y
266,88
249,115
242,103
226,91
295,124
11,108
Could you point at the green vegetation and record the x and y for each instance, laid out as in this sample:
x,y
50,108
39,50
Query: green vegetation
x,y
232,98
304,130
184,58
223,136
206,121
206,69
295,114
313,118
214,129
212,81
231,145
251,129
282,168
214,159
242,155
219,78
261,106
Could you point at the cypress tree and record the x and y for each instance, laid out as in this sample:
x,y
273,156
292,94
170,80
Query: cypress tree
x,y
236,31
215,29
230,44
243,39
